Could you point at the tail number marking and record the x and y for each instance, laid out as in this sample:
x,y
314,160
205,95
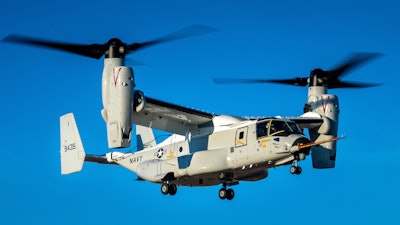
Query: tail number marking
x,y
69,147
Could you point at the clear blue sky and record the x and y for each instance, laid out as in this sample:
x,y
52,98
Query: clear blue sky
x,y
257,39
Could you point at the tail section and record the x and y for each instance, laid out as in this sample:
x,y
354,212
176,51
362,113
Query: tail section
x,y
72,151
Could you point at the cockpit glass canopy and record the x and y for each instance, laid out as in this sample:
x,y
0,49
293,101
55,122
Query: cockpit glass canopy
x,y
277,127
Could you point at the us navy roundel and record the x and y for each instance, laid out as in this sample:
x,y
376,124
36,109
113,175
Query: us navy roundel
x,y
160,153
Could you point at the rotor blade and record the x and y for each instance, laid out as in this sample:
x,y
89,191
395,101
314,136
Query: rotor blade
x,y
93,51
298,81
183,33
346,84
356,60
238,80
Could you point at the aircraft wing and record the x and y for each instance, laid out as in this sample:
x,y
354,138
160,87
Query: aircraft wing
x,y
170,117
308,120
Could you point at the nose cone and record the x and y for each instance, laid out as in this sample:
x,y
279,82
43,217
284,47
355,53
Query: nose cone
x,y
301,144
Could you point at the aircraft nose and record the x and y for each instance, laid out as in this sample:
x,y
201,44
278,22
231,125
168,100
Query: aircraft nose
x,y
301,144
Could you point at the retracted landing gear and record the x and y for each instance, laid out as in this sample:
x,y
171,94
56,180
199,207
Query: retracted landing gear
x,y
295,168
167,188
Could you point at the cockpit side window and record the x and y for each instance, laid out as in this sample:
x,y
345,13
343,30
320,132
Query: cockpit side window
x,y
277,128
294,128
262,129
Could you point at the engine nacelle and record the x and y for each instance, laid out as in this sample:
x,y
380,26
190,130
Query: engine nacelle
x,y
326,105
118,87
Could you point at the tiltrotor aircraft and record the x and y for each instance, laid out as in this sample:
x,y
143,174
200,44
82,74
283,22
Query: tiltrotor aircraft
x,y
204,148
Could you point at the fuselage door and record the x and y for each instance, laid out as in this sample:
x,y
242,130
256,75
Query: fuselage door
x,y
241,137
241,148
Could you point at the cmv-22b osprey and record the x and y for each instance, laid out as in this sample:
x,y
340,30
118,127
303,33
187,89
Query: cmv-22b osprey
x,y
204,149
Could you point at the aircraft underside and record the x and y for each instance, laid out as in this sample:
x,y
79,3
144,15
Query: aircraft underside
x,y
226,178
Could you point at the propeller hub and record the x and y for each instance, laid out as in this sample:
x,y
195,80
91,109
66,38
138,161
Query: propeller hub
x,y
116,48
317,77
317,72
115,42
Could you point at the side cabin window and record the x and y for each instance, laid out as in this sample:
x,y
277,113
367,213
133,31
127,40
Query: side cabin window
x,y
241,135
277,128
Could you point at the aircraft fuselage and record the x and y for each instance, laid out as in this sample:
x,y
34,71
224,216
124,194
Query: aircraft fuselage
x,y
223,153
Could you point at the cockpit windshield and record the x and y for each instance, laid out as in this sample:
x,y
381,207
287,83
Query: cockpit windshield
x,y
275,127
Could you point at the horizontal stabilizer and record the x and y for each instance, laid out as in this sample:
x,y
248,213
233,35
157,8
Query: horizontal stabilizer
x,y
72,151
103,159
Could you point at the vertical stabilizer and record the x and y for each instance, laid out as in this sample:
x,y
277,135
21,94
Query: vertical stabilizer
x,y
144,137
72,151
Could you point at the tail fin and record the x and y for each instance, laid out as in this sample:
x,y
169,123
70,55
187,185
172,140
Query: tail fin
x,y
144,137
72,151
